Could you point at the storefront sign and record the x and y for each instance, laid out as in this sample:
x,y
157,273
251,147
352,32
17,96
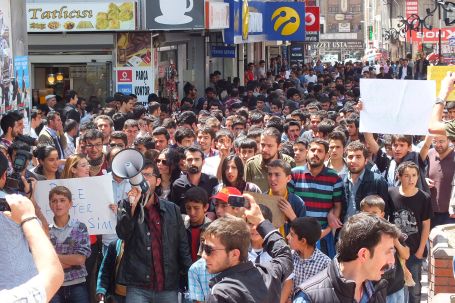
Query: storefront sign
x,y
221,51
296,54
312,23
412,7
174,14
134,49
216,15
344,27
81,16
340,45
253,29
285,21
141,82
432,36
22,78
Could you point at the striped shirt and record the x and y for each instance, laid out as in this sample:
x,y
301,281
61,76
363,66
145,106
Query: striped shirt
x,y
320,192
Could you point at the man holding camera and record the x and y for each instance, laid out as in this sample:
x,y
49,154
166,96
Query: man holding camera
x,y
225,250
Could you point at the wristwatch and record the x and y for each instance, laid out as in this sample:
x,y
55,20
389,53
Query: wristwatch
x,y
439,101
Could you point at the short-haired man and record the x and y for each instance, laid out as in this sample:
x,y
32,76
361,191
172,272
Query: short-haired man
x,y
352,124
161,137
131,129
337,143
308,260
156,245
292,131
12,125
184,137
205,139
52,134
105,124
321,188
360,182
194,176
126,105
70,111
247,149
256,167
315,119
118,139
365,251
300,148
154,109
225,250
95,156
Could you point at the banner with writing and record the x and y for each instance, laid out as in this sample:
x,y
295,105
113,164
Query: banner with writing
x,y
91,198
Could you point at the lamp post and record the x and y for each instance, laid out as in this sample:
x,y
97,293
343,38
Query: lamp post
x,y
441,6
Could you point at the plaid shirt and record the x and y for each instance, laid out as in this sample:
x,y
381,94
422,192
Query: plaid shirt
x,y
72,239
306,268
198,281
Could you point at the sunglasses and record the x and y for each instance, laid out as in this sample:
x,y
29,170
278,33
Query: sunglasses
x,y
208,250
164,162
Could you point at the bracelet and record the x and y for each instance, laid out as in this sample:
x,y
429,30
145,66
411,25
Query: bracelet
x,y
28,219
439,101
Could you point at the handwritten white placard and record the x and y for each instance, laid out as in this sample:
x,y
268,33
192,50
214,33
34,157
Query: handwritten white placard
x,y
396,106
91,198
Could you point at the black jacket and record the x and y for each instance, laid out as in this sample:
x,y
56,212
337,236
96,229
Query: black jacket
x,y
70,112
329,286
136,266
371,184
408,72
255,283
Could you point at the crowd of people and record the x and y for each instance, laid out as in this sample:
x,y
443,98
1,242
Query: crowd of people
x,y
356,208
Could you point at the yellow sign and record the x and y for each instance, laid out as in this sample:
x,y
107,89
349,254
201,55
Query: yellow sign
x,y
438,73
286,21
245,19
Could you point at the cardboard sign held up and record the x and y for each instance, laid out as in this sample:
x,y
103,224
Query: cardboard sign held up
x,y
272,203
438,73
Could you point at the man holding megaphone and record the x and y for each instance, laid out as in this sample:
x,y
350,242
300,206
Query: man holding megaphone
x,y
156,244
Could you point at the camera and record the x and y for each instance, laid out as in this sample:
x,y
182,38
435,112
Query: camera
x,y
14,181
236,201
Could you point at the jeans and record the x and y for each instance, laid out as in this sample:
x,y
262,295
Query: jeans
x,y
415,267
396,297
72,294
144,295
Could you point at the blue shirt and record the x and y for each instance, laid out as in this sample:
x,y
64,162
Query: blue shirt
x,y
353,187
198,281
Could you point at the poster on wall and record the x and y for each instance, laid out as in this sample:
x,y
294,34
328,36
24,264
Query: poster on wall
x,y
8,86
23,80
134,68
174,14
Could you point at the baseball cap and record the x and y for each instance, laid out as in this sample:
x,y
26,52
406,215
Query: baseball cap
x,y
49,97
196,193
225,192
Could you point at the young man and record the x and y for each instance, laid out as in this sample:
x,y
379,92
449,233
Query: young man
x,y
321,188
184,137
105,124
374,204
161,137
412,214
196,205
224,141
278,177
126,105
131,129
300,148
337,142
12,125
95,156
291,131
205,139
256,167
308,260
70,111
352,124
247,149
52,134
365,251
315,119
226,252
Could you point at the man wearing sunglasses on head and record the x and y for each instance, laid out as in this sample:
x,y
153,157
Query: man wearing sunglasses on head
x,y
225,250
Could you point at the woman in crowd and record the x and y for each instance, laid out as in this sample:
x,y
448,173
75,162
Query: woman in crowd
x,y
48,160
76,166
167,163
232,175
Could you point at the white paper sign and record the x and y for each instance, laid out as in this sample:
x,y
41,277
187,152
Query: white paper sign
x,y
396,106
91,199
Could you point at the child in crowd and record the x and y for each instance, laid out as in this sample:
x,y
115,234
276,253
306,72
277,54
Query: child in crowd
x,y
308,260
71,242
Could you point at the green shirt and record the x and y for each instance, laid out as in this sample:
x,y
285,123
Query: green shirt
x,y
450,129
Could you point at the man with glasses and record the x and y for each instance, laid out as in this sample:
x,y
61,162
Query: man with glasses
x,y
156,248
94,149
225,250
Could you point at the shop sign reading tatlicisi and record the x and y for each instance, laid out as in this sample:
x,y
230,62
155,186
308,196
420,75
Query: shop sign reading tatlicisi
x,y
81,16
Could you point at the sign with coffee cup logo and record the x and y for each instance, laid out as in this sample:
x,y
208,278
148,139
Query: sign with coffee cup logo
x,y
174,14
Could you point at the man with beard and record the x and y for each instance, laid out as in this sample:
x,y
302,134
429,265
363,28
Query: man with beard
x,y
322,191
256,167
365,251
441,166
194,177
94,148
156,244
361,182
12,125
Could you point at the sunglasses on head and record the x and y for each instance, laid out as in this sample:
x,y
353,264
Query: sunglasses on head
x,y
208,250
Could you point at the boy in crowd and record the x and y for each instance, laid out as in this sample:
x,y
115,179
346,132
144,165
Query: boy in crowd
x,y
308,260
300,148
257,254
247,149
412,214
196,205
375,205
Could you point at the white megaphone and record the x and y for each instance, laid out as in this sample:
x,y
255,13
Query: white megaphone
x,y
128,164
